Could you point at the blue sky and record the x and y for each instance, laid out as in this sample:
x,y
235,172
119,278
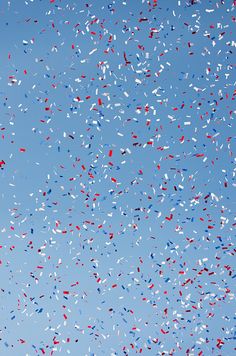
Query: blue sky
x,y
118,178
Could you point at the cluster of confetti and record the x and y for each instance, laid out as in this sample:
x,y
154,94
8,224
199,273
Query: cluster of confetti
x,y
117,157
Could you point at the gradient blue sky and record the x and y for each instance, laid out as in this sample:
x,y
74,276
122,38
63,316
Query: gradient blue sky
x,y
118,182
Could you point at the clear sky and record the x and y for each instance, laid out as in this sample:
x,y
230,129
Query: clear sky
x,y
117,156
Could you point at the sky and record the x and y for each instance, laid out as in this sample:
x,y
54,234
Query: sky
x,y
117,157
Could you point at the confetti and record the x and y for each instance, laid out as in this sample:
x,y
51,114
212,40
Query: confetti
x,y
117,142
